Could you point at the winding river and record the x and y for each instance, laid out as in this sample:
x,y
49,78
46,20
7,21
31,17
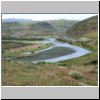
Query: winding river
x,y
60,51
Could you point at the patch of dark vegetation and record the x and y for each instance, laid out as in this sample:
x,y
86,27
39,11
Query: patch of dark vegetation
x,y
39,63
9,45
67,41
62,64
29,39
93,62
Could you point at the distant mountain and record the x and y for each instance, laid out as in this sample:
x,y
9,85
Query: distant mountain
x,y
28,28
87,28
16,20
16,29
62,25
42,27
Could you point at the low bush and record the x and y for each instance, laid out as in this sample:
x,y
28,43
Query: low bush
x,y
75,75
62,64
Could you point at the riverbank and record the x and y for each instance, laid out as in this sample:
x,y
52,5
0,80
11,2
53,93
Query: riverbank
x,y
17,49
88,59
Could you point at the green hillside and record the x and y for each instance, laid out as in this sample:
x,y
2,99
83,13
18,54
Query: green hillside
x,y
16,29
42,27
87,28
62,25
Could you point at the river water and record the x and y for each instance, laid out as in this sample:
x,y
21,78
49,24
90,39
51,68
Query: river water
x,y
60,51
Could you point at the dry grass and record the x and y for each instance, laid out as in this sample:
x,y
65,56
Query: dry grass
x,y
28,74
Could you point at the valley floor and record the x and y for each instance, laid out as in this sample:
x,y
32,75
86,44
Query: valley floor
x,y
81,71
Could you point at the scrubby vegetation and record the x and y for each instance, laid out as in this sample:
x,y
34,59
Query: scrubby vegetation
x,y
46,74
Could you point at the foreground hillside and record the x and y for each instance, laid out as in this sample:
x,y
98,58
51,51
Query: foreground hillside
x,y
42,74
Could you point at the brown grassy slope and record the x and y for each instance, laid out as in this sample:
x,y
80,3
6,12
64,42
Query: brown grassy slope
x,y
27,74
87,28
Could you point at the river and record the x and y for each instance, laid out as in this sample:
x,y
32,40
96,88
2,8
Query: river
x,y
60,51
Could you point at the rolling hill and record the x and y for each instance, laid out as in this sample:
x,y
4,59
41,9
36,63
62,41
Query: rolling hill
x,y
87,28
27,28
62,25
16,29
42,27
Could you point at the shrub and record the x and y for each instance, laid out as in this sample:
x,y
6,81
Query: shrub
x,y
22,50
38,63
63,64
93,62
75,75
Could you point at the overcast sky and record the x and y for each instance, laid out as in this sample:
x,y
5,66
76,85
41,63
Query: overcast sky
x,y
41,17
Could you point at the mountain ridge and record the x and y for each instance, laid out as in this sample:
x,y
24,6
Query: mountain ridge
x,y
16,20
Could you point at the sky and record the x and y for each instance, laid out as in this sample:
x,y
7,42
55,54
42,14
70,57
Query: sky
x,y
41,17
